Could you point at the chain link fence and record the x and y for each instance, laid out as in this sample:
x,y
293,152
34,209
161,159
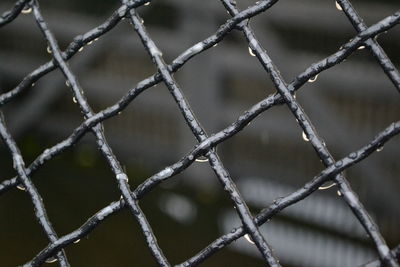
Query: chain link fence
x,y
205,150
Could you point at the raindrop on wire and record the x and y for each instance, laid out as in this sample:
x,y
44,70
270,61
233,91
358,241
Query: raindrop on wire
x,y
67,83
233,2
77,241
251,52
326,186
313,79
147,3
26,10
353,155
338,7
51,260
338,164
48,49
338,193
202,159
74,100
305,138
379,149
248,238
80,49
361,47
20,187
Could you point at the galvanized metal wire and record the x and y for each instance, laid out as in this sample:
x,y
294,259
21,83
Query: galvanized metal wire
x,y
285,95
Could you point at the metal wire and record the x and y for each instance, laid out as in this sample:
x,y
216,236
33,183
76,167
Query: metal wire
x,y
206,143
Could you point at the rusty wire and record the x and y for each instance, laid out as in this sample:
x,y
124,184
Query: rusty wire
x,y
206,143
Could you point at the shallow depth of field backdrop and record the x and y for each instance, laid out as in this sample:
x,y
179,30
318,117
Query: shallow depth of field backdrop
x,y
349,104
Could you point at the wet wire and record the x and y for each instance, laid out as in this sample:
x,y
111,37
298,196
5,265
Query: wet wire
x,y
206,146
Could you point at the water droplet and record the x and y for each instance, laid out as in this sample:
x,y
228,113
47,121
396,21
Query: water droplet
x,y
278,200
379,149
51,260
147,3
201,159
326,186
122,11
26,10
313,79
67,83
80,49
361,47
89,43
215,45
338,164
33,84
77,241
305,138
353,155
232,2
122,176
74,100
338,7
20,187
96,39
120,112
338,193
248,238
251,52
48,49
142,21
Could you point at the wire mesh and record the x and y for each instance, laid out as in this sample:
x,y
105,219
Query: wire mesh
x,y
285,95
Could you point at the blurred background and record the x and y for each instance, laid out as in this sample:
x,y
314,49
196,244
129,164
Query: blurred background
x,y
349,104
